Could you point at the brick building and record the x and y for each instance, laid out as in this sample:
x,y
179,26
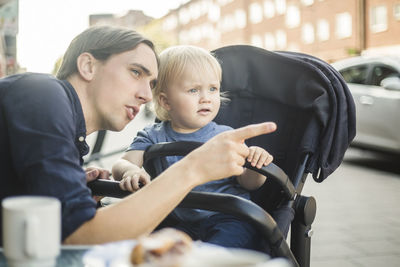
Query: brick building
x,y
132,19
330,29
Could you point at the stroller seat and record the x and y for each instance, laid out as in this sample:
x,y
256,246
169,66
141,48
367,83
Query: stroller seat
x,y
315,117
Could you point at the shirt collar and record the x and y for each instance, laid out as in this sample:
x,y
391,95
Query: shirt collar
x,y
80,135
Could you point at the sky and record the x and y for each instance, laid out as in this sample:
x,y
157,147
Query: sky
x,y
46,27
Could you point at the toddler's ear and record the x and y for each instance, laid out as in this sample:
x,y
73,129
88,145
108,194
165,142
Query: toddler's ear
x,y
163,100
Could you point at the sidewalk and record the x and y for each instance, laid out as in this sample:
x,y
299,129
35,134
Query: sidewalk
x,y
358,214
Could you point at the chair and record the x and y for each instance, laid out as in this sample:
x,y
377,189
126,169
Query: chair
x,y
315,115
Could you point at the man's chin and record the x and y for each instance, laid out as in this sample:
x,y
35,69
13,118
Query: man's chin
x,y
117,127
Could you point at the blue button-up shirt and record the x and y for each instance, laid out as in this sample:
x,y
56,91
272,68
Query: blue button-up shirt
x,y
42,142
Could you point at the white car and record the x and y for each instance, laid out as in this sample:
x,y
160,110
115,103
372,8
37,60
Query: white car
x,y
375,85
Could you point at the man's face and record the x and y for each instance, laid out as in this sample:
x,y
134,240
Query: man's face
x,y
120,86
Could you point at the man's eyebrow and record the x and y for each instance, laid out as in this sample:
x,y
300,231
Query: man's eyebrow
x,y
146,70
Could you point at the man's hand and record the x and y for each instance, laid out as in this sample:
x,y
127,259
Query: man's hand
x,y
93,173
224,155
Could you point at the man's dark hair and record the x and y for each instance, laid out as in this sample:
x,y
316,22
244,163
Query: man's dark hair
x,y
102,42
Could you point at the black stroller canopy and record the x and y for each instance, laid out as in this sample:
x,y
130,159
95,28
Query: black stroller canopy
x,y
281,79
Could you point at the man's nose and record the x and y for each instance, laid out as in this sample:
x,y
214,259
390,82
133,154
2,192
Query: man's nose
x,y
144,93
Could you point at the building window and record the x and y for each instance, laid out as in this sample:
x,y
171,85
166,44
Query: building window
x,y
214,13
269,40
256,40
256,14
269,9
323,30
307,33
280,39
204,7
194,11
293,47
170,23
396,11
194,34
280,6
184,16
292,16
224,2
232,21
240,18
343,27
307,2
183,37
227,23
378,20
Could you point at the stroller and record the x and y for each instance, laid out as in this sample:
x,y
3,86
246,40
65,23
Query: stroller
x,y
315,115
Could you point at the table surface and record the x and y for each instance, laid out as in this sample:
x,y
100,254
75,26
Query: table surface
x,y
69,256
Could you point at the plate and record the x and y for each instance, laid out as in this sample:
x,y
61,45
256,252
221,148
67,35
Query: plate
x,y
116,254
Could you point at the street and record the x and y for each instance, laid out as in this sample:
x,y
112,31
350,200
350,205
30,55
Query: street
x,y
358,213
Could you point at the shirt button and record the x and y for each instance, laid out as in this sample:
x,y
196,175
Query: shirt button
x,y
81,138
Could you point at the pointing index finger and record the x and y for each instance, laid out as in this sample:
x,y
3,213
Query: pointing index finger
x,y
253,130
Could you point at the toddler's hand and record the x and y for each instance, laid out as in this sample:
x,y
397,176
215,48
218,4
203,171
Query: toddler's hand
x,y
258,157
131,179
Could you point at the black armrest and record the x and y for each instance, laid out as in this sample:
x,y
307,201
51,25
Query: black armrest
x,y
109,188
224,203
183,148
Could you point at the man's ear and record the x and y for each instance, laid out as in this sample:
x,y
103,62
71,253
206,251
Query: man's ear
x,y
163,100
85,65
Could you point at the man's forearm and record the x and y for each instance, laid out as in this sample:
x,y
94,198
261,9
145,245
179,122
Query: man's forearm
x,y
140,212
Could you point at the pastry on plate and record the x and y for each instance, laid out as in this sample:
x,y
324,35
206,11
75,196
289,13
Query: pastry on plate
x,y
166,247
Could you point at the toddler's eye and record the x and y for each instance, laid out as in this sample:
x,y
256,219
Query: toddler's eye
x,y
193,90
213,89
153,84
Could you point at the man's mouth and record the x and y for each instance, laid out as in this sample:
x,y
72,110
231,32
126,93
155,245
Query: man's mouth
x,y
132,111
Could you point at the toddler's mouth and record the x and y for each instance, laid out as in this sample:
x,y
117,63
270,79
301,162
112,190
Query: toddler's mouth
x,y
204,110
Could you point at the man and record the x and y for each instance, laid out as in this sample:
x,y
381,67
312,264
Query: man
x,y
106,75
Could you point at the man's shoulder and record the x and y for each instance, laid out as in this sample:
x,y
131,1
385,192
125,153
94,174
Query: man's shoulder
x,y
42,94
26,77
30,83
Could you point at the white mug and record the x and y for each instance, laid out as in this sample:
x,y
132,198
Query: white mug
x,y
31,231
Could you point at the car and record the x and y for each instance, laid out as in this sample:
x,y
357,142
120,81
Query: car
x,y
375,85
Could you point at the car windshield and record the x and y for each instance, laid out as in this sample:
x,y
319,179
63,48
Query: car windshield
x,y
356,74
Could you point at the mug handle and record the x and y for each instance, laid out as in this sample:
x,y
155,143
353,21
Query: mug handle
x,y
31,236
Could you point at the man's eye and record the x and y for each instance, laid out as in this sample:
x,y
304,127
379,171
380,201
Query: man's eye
x,y
136,72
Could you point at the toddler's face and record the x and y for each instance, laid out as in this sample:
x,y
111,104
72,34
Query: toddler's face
x,y
192,101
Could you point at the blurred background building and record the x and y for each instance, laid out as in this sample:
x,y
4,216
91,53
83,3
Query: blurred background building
x,y
329,29
8,33
132,19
